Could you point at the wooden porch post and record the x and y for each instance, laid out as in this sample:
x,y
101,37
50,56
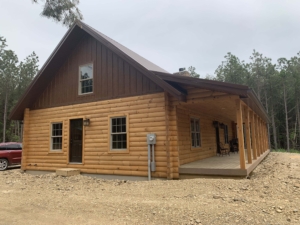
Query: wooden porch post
x,y
248,138
258,136
266,136
253,134
261,137
240,133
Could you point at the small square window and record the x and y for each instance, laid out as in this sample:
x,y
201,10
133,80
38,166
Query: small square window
x,y
86,79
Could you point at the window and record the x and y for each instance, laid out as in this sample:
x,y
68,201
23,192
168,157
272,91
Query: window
x,y
56,136
195,133
86,79
226,139
118,133
14,147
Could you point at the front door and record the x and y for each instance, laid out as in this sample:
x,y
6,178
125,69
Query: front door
x,y
76,141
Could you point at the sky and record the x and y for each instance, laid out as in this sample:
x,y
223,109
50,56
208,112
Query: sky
x,y
170,33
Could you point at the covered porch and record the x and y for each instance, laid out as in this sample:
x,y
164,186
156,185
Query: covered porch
x,y
226,112
219,166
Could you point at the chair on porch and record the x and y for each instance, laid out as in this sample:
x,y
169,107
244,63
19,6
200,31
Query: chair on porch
x,y
223,150
234,145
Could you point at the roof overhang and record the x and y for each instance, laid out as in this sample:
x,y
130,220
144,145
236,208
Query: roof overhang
x,y
246,94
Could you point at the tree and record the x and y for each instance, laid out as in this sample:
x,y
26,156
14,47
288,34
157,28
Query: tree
x,y
192,71
232,70
8,73
14,80
63,11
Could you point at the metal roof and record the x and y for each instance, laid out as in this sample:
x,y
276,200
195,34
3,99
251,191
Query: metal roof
x,y
141,60
246,94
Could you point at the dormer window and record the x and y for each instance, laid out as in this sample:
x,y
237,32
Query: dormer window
x,y
86,79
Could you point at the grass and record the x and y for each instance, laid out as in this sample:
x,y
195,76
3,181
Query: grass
x,y
284,150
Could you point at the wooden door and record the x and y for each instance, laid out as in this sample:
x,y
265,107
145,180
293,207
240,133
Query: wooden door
x,y
76,141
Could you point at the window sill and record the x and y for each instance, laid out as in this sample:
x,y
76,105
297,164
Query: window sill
x,y
56,152
118,151
86,94
196,149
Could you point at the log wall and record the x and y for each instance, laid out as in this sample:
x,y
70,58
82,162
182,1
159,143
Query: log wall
x,y
147,113
184,112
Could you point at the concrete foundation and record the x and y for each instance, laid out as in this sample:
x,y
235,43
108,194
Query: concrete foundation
x,y
67,172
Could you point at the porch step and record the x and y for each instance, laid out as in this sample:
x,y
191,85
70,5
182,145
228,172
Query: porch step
x,y
67,172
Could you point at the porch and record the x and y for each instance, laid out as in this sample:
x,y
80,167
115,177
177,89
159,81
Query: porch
x,y
220,166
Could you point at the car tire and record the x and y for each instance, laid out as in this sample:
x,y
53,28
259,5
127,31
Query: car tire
x,y
3,164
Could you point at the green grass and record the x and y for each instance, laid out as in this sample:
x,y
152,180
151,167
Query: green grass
x,y
284,150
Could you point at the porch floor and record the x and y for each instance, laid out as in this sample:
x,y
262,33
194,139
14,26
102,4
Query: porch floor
x,y
220,166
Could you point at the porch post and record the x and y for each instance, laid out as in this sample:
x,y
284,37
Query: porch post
x,y
266,136
261,137
253,134
248,138
258,136
239,121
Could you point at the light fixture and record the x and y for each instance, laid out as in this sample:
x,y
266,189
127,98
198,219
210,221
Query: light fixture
x,y
86,122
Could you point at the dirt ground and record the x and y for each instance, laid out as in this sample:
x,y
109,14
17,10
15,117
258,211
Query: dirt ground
x,y
270,196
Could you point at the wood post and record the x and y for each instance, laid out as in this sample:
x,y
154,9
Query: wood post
x,y
261,137
258,136
253,135
25,138
248,138
240,133
169,162
266,137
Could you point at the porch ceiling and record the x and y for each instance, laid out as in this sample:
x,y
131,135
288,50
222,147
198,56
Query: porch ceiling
x,y
218,108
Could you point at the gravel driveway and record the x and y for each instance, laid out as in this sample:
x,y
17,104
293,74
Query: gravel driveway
x,y
270,196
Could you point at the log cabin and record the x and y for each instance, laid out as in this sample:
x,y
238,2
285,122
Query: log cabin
x,y
94,102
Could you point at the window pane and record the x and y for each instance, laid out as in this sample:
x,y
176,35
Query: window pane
x,y
192,125
197,125
198,139
56,143
86,86
192,139
86,71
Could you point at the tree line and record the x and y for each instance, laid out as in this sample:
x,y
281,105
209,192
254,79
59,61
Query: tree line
x,y
15,77
277,86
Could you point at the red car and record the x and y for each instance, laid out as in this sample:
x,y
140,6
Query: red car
x,y
10,154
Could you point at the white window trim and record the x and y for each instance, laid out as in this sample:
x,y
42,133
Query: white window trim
x,y
111,134
81,80
195,132
51,136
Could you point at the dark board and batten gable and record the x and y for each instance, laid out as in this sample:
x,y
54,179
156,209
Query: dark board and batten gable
x,y
113,77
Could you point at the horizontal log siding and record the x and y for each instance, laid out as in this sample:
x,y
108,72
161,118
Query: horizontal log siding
x,y
146,114
184,111
208,137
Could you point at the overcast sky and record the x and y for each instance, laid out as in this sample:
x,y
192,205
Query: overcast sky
x,y
170,33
